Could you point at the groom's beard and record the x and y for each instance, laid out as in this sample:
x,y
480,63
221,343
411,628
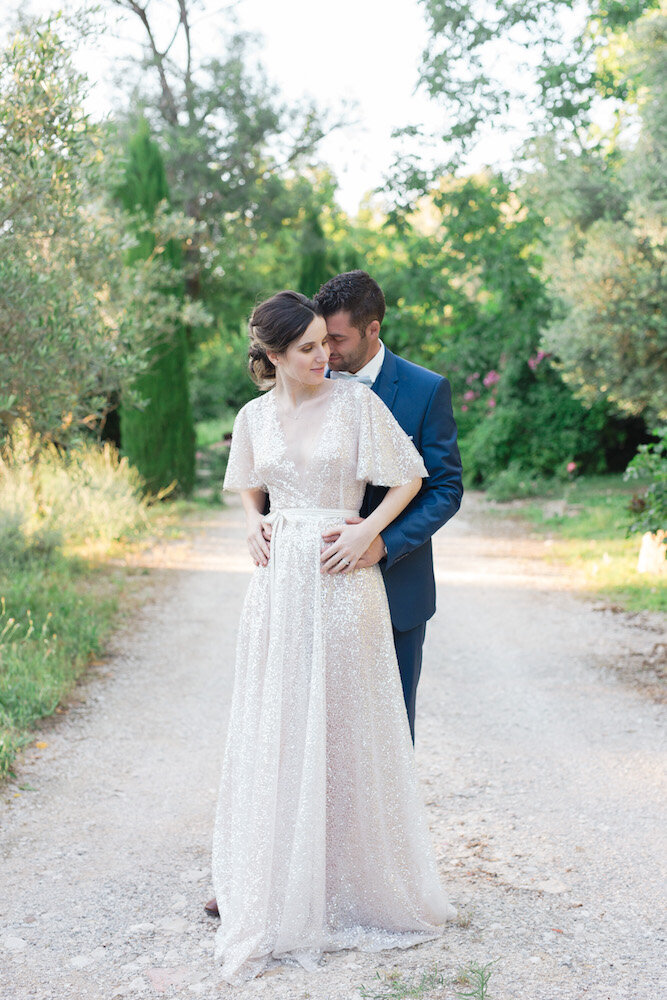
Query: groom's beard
x,y
352,361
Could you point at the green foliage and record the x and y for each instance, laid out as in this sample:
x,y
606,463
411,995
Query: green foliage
x,y
605,244
76,323
465,296
48,496
649,510
220,379
536,426
238,160
55,610
315,268
158,436
611,336
55,614
566,52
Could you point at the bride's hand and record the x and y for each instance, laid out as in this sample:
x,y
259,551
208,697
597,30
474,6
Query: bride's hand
x,y
345,552
258,537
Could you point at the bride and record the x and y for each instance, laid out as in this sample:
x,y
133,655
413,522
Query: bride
x,y
320,839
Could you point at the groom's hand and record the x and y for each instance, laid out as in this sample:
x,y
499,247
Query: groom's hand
x,y
373,553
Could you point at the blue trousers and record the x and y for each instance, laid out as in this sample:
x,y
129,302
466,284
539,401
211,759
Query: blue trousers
x,y
409,647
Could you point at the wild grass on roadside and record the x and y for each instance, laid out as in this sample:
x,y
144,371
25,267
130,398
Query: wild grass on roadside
x,y
587,522
392,986
57,512
473,981
84,496
54,618
470,983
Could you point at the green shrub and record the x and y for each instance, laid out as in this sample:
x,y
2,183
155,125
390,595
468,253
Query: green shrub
x,y
219,379
649,510
534,423
514,483
86,493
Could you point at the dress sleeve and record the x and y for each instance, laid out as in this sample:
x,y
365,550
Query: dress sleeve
x,y
240,473
386,455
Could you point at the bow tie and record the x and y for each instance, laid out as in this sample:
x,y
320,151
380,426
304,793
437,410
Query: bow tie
x,y
364,379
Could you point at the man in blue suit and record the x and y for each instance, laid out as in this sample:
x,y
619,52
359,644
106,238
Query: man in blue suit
x,y
353,307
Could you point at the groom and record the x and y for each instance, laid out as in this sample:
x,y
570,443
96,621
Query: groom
x,y
353,307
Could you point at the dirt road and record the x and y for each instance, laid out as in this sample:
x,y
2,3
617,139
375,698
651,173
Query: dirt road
x,y
542,769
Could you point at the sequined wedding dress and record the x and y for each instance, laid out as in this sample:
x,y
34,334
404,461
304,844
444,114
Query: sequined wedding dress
x,y
320,839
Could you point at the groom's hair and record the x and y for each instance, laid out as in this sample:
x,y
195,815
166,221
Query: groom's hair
x,y
354,292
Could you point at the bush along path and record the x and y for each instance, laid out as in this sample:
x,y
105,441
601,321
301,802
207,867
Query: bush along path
x,y
540,769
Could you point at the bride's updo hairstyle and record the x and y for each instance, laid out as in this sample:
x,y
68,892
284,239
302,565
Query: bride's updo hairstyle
x,y
273,326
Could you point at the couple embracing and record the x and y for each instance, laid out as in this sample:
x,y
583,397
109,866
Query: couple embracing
x,y
320,838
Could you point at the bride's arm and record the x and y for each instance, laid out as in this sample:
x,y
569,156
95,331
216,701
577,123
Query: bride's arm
x,y
344,554
257,535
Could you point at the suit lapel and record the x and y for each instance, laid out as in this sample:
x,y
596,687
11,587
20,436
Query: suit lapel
x,y
386,384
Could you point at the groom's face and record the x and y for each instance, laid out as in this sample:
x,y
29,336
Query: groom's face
x,y
350,349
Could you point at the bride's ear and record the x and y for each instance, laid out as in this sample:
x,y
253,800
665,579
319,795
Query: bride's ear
x,y
273,358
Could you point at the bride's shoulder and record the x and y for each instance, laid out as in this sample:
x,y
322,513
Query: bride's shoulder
x,y
258,404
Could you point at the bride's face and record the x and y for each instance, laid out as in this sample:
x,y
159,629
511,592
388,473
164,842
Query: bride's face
x,y
305,359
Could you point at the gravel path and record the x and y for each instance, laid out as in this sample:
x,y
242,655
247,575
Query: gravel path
x,y
542,770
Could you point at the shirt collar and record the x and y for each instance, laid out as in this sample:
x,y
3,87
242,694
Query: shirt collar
x,y
372,369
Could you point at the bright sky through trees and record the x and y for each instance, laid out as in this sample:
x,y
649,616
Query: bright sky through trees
x,y
365,54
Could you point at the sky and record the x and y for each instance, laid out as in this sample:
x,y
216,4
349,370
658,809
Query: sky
x,y
365,53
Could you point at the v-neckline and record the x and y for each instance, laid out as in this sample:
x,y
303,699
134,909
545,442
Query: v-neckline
x,y
318,441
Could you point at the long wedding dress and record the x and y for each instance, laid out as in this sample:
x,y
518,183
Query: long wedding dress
x,y
320,838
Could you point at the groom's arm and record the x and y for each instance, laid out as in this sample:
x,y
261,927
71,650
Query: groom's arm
x,y
440,496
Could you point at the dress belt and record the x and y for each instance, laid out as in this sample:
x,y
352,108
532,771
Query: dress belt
x,y
309,514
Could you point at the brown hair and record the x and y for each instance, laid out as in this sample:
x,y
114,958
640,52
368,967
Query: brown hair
x,y
273,326
355,292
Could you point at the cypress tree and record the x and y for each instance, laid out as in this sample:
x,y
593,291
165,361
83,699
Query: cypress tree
x,y
315,269
158,439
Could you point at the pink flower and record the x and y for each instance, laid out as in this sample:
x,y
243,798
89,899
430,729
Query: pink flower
x,y
535,361
470,395
571,467
472,378
464,408
491,403
491,378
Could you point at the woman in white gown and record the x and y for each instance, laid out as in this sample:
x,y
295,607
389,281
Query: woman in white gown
x,y
320,838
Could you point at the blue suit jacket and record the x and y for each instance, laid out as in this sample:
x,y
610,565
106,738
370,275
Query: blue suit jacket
x,y
421,402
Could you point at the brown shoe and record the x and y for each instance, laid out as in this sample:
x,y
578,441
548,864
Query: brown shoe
x,y
212,908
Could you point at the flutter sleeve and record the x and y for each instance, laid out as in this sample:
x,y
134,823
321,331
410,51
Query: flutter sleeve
x,y
386,455
241,473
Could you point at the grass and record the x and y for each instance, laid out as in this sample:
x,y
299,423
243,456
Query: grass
x,y
586,522
62,519
54,619
470,983
473,981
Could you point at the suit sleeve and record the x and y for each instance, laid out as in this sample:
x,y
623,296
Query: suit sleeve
x,y
440,495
